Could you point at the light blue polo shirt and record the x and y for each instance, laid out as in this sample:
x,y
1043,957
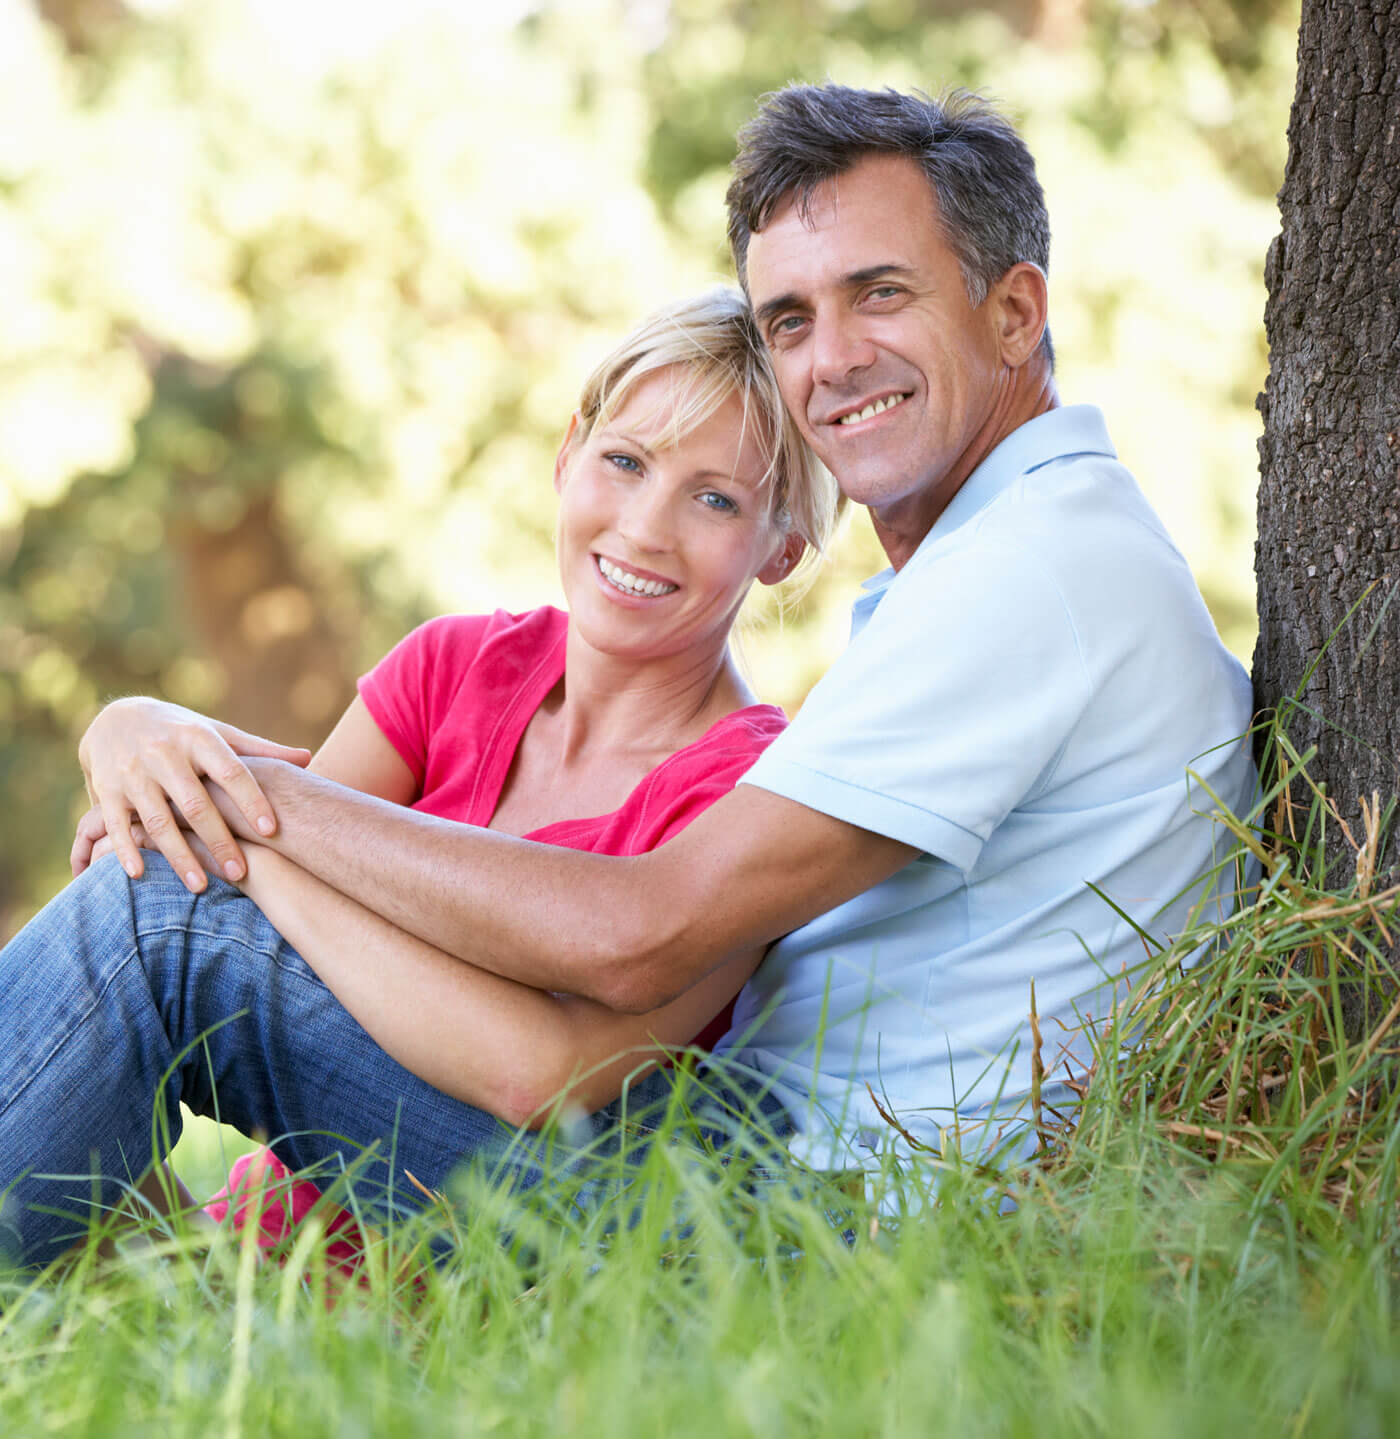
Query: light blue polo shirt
x,y
1021,703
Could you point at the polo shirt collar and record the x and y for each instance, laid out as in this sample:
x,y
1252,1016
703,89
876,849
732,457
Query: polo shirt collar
x,y
1055,435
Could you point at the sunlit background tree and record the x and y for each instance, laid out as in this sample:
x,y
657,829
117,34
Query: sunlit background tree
x,y
295,297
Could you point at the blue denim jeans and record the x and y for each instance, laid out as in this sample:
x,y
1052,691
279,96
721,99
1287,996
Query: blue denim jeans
x,y
122,999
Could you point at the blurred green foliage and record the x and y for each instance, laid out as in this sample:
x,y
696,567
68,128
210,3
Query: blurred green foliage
x,y
296,299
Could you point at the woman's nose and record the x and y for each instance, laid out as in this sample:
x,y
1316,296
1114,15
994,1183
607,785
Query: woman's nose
x,y
646,519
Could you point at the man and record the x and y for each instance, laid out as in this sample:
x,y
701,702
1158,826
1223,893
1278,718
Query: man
x,y
990,778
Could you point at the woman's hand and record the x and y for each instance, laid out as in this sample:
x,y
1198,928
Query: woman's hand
x,y
140,757
92,842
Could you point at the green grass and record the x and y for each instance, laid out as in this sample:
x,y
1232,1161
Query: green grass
x,y
1212,1248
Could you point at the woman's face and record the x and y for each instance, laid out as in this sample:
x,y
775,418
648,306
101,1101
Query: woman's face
x,y
658,543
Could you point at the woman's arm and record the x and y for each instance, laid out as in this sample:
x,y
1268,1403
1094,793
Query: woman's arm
x,y
141,756
499,1045
357,753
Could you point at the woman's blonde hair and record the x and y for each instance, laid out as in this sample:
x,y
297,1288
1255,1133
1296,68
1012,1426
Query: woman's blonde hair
x,y
714,337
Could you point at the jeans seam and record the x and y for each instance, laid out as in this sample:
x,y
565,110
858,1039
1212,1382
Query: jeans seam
x,y
268,952
69,1033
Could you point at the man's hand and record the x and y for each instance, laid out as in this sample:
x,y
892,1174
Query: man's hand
x,y
148,761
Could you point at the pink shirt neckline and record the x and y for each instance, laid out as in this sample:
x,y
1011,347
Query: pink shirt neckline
x,y
509,731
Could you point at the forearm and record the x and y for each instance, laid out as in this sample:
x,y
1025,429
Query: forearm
x,y
448,884
632,933
499,1045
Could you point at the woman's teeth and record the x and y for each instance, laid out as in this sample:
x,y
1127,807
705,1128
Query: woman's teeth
x,y
631,584
877,408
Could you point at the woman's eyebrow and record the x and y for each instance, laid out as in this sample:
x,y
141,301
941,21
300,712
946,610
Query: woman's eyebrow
x,y
627,438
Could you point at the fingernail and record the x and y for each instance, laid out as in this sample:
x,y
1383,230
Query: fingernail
x,y
265,825
232,869
193,879
131,868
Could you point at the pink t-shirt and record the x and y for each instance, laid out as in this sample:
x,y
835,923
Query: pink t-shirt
x,y
454,698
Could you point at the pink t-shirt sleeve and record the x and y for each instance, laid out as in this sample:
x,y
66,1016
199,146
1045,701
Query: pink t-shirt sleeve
x,y
410,690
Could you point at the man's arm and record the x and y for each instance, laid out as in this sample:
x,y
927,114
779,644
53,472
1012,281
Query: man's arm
x,y
501,1046
632,933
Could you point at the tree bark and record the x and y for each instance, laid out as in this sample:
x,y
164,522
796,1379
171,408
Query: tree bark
x,y
1328,555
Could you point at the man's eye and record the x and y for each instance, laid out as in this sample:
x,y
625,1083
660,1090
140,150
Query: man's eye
x,y
784,328
884,292
623,462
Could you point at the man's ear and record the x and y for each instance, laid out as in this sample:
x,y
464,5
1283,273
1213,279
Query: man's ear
x,y
1023,306
784,562
561,460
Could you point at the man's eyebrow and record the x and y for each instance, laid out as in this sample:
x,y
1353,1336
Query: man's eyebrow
x,y
876,272
863,276
775,306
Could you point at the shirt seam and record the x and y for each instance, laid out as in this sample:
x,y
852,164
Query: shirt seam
x,y
880,794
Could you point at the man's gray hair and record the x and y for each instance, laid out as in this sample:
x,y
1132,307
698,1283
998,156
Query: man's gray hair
x,y
989,202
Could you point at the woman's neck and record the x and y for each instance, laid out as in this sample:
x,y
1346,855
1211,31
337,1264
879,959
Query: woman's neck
x,y
612,703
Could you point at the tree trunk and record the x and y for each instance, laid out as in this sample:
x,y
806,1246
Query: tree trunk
x,y
1328,556
265,626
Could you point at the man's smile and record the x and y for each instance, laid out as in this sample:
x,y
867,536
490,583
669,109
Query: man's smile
x,y
870,410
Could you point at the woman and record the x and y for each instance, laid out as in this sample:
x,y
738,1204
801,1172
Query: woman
x,y
680,482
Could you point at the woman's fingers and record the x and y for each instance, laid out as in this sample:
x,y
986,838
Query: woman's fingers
x,y
152,794
90,832
215,760
116,823
147,759
241,742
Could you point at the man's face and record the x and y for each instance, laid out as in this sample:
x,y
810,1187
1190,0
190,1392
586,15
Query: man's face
x,y
896,381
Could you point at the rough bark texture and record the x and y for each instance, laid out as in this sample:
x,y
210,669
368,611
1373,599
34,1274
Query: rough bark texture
x,y
1329,494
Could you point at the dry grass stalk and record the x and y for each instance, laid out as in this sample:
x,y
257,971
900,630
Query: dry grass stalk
x,y
1243,1060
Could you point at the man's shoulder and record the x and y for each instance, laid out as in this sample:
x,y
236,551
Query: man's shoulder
x,y
1076,526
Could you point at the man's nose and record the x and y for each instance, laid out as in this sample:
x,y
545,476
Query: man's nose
x,y
839,348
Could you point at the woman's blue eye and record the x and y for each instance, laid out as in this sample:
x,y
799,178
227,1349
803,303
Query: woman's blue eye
x,y
715,501
623,462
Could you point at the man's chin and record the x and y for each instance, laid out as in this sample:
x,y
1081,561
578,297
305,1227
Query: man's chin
x,y
865,483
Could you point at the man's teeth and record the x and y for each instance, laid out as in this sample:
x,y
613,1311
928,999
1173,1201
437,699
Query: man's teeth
x,y
877,408
632,584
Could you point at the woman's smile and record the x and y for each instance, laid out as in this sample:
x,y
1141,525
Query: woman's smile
x,y
636,584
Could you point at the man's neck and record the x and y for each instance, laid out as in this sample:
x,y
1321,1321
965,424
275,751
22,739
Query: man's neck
x,y
902,529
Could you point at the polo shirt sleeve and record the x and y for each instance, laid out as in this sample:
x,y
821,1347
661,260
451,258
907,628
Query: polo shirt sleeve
x,y
948,710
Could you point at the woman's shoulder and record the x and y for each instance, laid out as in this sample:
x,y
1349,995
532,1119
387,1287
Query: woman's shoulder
x,y
459,628
461,637
734,741
756,724
686,784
